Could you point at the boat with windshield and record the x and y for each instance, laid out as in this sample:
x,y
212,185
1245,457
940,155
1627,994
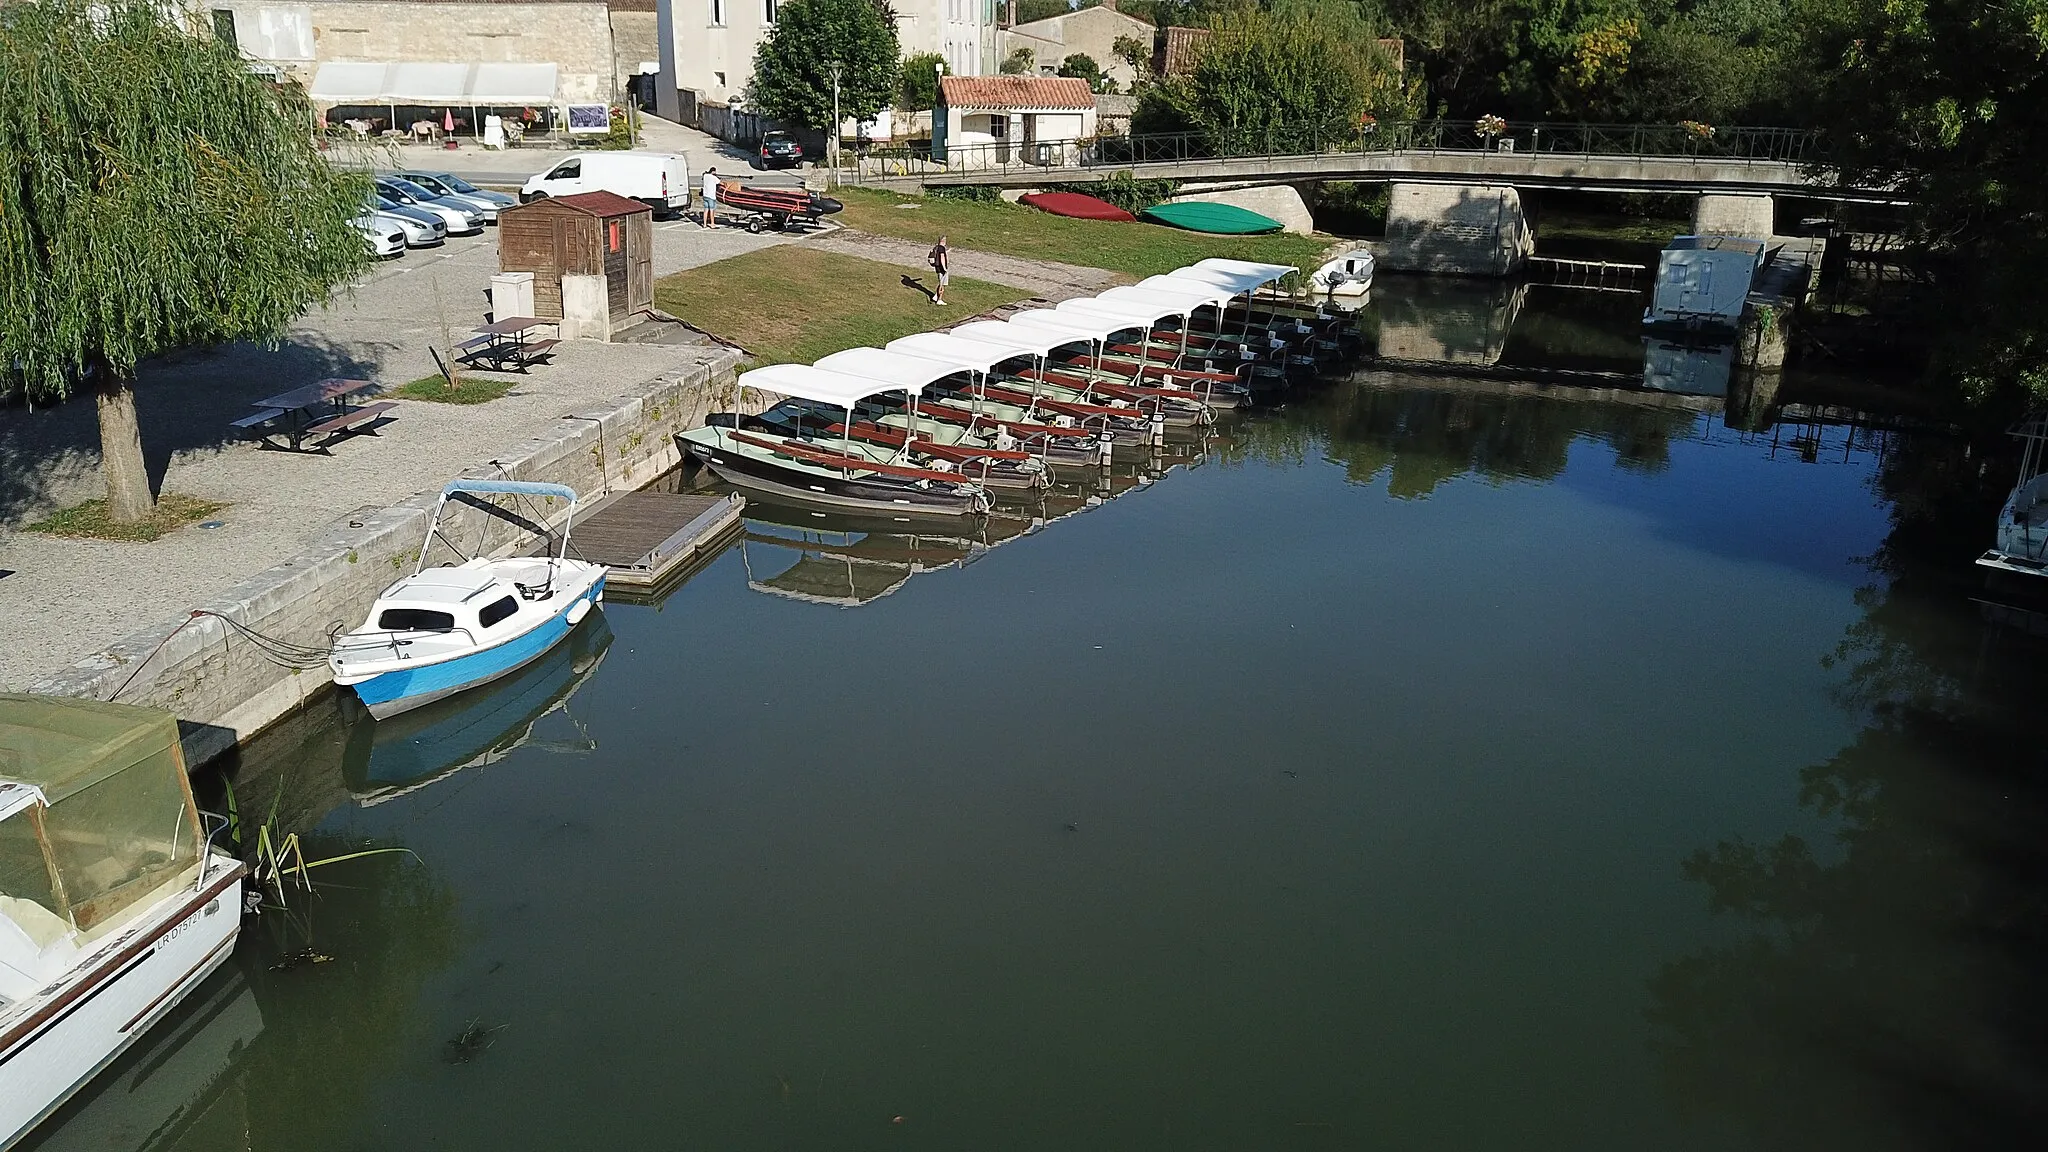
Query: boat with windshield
x,y
2022,544
450,628
113,903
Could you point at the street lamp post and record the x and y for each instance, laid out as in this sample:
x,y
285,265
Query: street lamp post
x,y
834,138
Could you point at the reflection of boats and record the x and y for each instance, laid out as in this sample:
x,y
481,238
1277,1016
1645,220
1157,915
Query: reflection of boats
x,y
442,630
157,1092
845,560
113,905
397,756
2022,545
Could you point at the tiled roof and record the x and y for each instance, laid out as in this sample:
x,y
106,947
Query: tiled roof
x,y
1015,92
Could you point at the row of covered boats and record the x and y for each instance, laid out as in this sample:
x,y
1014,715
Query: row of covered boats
x,y
941,423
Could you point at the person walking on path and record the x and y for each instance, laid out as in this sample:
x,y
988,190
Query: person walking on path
x,y
941,266
710,197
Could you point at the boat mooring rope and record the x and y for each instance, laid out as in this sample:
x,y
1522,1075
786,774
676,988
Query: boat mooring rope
x,y
283,653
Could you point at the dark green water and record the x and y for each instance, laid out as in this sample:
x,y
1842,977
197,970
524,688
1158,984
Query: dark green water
x,y
1439,764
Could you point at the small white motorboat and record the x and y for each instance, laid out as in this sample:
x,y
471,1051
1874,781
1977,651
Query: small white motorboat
x,y
2022,545
113,905
1347,275
442,630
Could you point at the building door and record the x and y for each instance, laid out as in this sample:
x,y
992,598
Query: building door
x,y
999,130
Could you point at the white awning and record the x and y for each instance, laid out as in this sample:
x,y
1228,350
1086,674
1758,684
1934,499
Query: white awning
x,y
809,383
1240,275
349,83
1167,286
948,348
1249,267
514,84
457,85
1013,340
892,370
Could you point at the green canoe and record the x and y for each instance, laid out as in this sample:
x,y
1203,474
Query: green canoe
x,y
1197,216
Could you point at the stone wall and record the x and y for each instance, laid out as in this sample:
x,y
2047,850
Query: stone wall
x,y
635,41
1456,229
1091,32
574,35
1752,216
226,689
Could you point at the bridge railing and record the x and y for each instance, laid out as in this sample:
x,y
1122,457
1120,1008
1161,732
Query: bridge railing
x,y
1523,139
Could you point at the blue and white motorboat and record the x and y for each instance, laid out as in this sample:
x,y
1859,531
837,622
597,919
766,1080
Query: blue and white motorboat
x,y
442,630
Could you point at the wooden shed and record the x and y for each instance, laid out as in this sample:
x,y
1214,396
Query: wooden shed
x,y
588,234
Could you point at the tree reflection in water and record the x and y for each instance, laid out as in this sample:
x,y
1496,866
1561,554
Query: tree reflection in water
x,y
1884,990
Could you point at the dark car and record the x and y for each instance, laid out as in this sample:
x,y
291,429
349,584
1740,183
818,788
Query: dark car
x,y
780,150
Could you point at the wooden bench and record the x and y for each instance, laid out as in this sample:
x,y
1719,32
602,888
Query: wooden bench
x,y
349,419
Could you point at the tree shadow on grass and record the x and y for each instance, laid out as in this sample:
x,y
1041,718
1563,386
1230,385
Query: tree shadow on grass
x,y
50,454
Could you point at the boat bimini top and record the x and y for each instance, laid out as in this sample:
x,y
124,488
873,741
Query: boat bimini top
x,y
1135,314
1249,273
1074,327
828,382
1168,289
528,488
886,371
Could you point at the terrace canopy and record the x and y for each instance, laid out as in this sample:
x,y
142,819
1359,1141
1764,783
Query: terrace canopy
x,y
478,85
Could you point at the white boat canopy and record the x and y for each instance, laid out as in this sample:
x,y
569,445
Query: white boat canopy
x,y
1016,339
805,382
1139,314
981,354
1269,273
1237,284
1076,327
1207,293
895,371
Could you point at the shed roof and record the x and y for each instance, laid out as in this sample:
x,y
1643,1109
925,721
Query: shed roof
x,y
1013,92
602,204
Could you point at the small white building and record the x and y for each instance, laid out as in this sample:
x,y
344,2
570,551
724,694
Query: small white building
x,y
708,46
988,120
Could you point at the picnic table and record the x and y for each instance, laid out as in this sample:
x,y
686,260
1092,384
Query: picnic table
x,y
322,408
504,345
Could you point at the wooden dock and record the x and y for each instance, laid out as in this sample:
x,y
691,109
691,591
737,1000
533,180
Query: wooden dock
x,y
1601,274
644,537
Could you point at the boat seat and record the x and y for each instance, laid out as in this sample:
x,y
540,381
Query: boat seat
x,y
533,581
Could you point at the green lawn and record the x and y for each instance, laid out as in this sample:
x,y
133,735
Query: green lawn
x,y
469,389
791,305
90,521
1139,249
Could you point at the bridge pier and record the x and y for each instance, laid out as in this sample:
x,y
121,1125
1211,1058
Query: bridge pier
x,y
1456,229
1745,214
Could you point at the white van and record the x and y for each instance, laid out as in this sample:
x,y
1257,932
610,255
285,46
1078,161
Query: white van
x,y
660,180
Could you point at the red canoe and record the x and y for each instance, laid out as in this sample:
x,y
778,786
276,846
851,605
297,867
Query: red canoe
x,y
1076,205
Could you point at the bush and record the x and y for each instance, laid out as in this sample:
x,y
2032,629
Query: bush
x,y
1125,191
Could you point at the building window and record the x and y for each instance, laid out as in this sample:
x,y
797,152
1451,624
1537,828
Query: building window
x,y
768,10
224,27
718,12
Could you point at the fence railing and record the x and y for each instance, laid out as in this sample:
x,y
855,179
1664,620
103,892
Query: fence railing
x,y
1524,139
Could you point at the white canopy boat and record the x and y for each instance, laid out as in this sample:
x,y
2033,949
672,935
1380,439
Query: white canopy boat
x,y
442,630
754,452
2022,545
113,906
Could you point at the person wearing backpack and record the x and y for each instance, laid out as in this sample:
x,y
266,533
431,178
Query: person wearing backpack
x,y
940,265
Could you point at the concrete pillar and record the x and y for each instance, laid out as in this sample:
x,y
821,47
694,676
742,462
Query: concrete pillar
x,y
1456,229
1752,400
1282,202
1735,215
586,308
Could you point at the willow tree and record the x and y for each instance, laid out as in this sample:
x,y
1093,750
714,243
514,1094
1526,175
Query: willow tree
x,y
154,194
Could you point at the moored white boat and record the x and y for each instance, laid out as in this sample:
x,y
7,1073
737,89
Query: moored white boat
x,y
442,630
2022,545
113,906
1347,275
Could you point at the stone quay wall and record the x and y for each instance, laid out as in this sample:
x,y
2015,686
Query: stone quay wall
x,y
225,688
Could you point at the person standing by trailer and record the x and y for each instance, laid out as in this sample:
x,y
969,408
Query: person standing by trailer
x,y
941,266
710,197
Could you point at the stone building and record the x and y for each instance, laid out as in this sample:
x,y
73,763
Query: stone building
x,y
1091,32
446,52
707,46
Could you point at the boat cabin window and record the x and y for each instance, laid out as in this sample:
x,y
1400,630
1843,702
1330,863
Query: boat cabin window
x,y
415,620
492,613
123,841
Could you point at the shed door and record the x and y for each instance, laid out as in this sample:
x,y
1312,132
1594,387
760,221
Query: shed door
x,y
639,262
613,237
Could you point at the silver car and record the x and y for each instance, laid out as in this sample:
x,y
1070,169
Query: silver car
x,y
461,218
382,234
422,229
453,187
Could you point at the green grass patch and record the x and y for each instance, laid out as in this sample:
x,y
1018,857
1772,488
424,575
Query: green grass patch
x,y
791,305
89,521
467,390
1138,250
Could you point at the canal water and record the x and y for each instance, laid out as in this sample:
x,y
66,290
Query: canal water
x,y
1483,755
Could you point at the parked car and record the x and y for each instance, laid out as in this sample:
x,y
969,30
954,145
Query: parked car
x,y
660,180
381,234
780,150
453,187
461,218
422,229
